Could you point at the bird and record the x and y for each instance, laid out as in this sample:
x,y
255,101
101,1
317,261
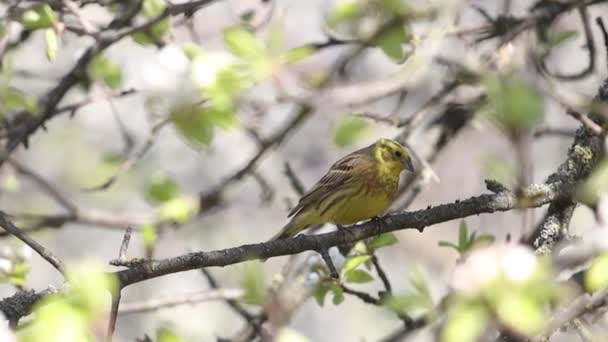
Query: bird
x,y
359,186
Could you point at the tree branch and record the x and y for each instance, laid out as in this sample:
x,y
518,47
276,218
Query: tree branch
x,y
41,250
536,195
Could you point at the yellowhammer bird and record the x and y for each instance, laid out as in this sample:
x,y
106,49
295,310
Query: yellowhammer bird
x,y
357,187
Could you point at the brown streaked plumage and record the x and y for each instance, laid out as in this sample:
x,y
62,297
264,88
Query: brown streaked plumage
x,y
357,187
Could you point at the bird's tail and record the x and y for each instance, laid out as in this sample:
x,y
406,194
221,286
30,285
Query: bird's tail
x,y
292,228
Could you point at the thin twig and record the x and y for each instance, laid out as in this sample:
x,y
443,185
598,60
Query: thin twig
x,y
366,298
41,250
554,132
590,44
382,275
131,160
49,188
124,246
86,24
113,315
182,299
586,121
232,303
295,182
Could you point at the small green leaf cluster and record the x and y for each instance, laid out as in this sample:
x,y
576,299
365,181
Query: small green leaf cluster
x,y
150,10
14,266
352,271
11,99
74,315
349,129
172,206
253,284
391,18
467,241
505,283
43,17
417,301
512,104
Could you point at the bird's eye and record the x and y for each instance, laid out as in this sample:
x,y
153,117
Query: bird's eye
x,y
398,154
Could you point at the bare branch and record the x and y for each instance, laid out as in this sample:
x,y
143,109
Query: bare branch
x,y
182,299
41,250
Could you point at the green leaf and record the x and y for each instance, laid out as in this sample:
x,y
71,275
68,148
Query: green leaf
x,y
345,10
383,240
521,312
89,286
596,184
338,293
391,41
512,104
320,292
558,38
192,50
153,34
465,322
353,262
596,277
103,70
243,43
253,283
18,274
297,54
193,124
56,321
484,239
162,189
51,43
166,335
152,8
497,168
179,209
417,278
14,100
149,236
358,276
406,303
463,236
449,244
349,130
41,16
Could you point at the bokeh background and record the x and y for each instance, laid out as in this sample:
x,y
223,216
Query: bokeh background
x,y
75,153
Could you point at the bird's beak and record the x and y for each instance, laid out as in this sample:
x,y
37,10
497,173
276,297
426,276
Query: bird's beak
x,y
409,165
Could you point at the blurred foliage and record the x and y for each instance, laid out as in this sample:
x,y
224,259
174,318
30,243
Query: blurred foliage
x,y
11,99
105,71
516,294
349,129
512,104
253,283
150,10
51,42
38,17
417,301
594,186
161,189
14,264
382,240
596,277
166,335
498,168
467,241
74,315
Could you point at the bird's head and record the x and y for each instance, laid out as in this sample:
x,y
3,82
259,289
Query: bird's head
x,y
393,155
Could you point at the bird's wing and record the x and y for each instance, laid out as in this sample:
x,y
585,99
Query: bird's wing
x,y
340,174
